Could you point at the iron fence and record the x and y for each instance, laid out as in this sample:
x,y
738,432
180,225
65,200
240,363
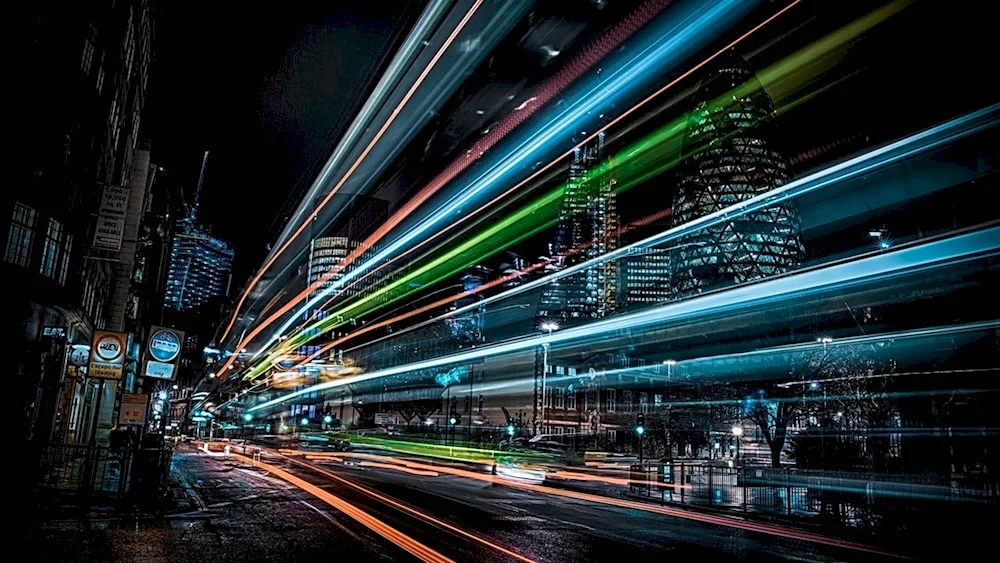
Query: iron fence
x,y
102,471
852,499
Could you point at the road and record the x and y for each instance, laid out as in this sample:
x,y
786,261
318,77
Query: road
x,y
405,512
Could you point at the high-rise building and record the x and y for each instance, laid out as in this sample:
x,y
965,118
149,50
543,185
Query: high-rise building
x,y
325,255
588,227
730,158
200,268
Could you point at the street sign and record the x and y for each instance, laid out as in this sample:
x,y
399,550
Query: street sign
x,y
79,355
107,355
111,218
163,351
133,411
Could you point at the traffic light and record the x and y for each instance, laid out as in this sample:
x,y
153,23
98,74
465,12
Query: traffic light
x,y
247,417
304,422
328,419
510,429
640,424
453,420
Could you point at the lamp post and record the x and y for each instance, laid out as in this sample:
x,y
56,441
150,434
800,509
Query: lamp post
x,y
738,433
548,327
670,368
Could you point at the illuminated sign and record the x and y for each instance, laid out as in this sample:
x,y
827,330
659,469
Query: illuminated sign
x,y
107,355
163,352
79,355
164,345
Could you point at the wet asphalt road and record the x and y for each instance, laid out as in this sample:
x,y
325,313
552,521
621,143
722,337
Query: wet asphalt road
x,y
543,527
230,511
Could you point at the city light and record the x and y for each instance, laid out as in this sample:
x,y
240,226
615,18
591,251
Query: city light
x,y
247,417
327,419
304,422
737,430
162,395
550,326
510,429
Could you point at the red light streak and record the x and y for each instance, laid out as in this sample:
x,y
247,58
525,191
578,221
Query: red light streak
x,y
392,117
411,205
408,208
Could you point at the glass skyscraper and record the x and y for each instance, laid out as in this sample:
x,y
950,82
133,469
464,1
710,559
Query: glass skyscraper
x,y
588,227
731,158
200,268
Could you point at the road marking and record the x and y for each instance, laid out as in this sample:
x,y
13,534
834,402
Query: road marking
x,y
336,523
417,549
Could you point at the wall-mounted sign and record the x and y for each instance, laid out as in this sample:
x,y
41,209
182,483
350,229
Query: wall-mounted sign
x,y
79,355
163,352
107,355
133,411
111,218
57,331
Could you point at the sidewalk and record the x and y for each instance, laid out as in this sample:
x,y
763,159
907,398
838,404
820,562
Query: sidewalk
x,y
220,512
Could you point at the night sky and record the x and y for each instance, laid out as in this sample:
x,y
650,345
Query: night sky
x,y
266,92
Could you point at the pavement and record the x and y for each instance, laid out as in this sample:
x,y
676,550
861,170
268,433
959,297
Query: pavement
x,y
298,509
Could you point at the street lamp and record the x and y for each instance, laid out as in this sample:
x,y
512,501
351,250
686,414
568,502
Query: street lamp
x,y
738,433
547,326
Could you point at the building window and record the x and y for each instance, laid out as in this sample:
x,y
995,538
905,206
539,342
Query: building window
x,y
560,394
64,259
611,406
571,399
100,75
643,402
50,253
658,400
627,401
22,230
89,44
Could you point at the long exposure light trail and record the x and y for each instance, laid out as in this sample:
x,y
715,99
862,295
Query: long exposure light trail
x,y
774,74
398,538
451,299
727,521
716,365
329,196
664,51
419,514
429,19
892,153
879,267
372,263
568,74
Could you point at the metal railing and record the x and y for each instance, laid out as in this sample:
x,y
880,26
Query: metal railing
x,y
844,498
102,471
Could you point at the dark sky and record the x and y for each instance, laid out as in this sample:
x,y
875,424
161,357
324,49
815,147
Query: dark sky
x,y
264,91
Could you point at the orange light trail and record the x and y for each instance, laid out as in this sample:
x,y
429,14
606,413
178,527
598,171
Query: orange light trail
x,y
415,512
727,521
402,540
347,260
424,309
573,251
408,208
392,117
